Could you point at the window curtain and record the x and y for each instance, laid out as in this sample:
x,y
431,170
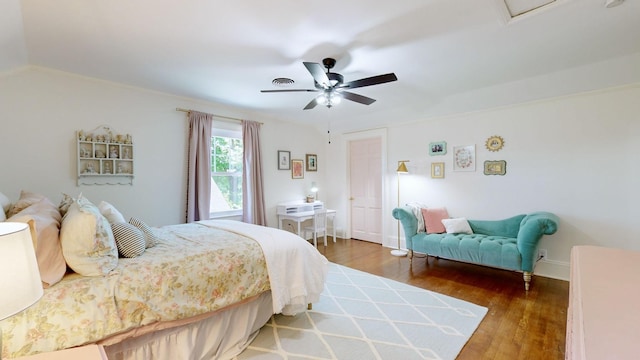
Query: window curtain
x,y
252,179
199,166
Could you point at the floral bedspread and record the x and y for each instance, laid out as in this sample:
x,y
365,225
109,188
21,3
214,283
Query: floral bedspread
x,y
193,270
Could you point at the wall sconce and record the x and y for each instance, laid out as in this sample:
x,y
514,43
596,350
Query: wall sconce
x,y
402,169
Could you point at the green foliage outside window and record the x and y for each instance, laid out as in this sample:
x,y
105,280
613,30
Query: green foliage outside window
x,y
226,169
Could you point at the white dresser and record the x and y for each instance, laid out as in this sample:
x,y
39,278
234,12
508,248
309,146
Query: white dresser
x,y
603,320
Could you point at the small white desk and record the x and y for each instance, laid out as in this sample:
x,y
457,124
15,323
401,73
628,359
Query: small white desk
x,y
301,217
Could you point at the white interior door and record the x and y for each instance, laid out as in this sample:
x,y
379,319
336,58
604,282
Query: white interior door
x,y
366,189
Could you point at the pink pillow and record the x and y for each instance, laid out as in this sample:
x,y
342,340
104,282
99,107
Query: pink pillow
x,y
46,239
27,198
433,219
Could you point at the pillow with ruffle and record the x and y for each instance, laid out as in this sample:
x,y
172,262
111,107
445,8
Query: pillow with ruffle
x,y
26,198
87,240
66,201
46,241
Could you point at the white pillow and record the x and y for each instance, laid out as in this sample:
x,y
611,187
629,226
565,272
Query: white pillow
x,y
65,202
5,204
111,213
416,208
87,241
457,226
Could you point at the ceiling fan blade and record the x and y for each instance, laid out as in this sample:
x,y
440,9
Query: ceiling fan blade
x,y
290,90
311,104
317,71
374,80
357,98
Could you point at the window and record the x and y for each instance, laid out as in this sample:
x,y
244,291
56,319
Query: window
x,y
226,171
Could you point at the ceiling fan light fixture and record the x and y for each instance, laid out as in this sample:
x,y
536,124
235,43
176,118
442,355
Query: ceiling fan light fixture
x,y
331,85
335,98
335,78
329,98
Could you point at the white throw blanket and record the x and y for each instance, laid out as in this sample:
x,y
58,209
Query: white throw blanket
x,y
297,271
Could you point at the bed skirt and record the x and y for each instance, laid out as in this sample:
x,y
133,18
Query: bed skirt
x,y
221,334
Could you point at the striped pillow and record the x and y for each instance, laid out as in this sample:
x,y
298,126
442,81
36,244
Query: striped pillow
x,y
150,237
129,239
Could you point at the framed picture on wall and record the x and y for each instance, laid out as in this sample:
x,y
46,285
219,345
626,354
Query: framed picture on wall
x,y
284,162
437,170
495,167
464,158
297,169
312,162
438,148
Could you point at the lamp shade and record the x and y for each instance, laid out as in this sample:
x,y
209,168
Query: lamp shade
x,y
402,167
20,284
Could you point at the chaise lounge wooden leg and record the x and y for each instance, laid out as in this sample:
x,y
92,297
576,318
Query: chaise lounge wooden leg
x,y
410,257
527,279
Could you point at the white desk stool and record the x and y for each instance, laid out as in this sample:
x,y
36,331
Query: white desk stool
x,y
319,226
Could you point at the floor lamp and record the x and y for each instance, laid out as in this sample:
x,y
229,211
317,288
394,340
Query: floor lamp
x,y
402,169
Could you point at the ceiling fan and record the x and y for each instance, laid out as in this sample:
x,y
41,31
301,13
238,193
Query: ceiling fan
x,y
332,85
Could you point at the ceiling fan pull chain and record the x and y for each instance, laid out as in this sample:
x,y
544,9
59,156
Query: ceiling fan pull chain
x,y
329,130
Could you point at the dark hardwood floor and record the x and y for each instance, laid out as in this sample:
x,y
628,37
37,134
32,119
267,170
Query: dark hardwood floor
x,y
518,325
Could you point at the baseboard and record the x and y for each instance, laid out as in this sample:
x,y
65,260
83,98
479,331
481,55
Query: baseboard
x,y
553,269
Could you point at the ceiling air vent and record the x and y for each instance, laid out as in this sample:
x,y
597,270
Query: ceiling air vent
x,y
282,82
516,9
519,7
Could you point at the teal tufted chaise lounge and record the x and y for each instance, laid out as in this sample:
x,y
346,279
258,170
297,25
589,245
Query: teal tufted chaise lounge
x,y
508,244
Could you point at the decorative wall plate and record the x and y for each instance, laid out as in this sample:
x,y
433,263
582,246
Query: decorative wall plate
x,y
497,167
494,143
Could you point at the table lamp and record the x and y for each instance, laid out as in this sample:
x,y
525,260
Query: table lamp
x,y
314,190
20,283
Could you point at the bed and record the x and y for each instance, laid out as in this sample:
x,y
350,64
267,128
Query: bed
x,y
201,291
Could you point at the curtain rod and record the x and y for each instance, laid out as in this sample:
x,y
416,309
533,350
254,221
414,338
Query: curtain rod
x,y
218,116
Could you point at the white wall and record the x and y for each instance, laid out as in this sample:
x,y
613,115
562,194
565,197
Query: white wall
x,y
41,109
575,156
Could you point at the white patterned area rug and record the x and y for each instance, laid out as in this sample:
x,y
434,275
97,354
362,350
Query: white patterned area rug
x,y
363,316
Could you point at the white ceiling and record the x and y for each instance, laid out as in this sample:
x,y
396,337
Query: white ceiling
x,y
449,55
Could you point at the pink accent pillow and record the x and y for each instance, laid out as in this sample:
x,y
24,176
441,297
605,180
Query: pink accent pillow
x,y
433,219
45,238
26,199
